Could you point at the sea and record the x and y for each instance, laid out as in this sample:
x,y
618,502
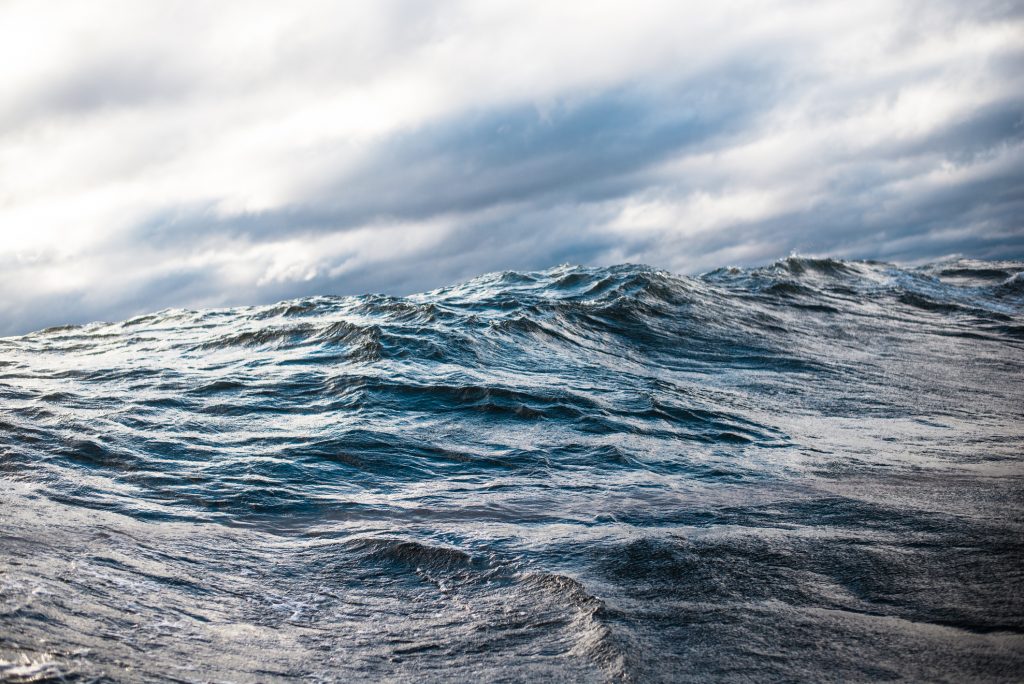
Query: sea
x,y
808,471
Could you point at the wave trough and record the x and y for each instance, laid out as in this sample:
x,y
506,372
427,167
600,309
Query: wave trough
x,y
806,471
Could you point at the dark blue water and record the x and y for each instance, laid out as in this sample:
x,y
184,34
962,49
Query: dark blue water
x,y
809,471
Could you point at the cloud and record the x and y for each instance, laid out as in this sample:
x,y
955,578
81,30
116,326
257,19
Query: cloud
x,y
171,154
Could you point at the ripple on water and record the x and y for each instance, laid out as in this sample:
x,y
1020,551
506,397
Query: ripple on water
x,y
806,471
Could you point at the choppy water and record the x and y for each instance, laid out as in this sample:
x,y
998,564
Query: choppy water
x,y
807,471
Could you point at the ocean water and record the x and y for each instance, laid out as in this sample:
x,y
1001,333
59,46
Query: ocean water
x,y
809,471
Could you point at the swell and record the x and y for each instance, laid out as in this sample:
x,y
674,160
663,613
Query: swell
x,y
573,474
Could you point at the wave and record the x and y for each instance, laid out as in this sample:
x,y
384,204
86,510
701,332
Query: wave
x,y
575,474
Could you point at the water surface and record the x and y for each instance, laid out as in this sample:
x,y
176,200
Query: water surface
x,y
808,471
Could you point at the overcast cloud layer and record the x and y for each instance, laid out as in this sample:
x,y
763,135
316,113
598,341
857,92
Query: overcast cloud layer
x,y
157,154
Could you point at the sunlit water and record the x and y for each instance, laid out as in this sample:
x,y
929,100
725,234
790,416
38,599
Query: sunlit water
x,y
809,471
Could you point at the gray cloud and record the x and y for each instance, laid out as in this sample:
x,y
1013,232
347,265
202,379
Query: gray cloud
x,y
227,160
594,148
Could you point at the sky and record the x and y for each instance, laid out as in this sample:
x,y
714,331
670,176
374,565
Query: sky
x,y
185,154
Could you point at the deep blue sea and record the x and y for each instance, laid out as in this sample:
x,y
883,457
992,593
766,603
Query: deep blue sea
x,y
809,471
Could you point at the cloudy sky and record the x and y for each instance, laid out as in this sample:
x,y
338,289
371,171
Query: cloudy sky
x,y
157,154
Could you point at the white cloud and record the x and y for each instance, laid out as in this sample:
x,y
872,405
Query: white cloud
x,y
169,153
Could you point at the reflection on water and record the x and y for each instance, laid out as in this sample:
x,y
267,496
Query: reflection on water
x,y
806,471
